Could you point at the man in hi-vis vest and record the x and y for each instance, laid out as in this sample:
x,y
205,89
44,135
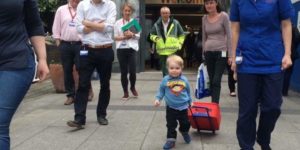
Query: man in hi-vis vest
x,y
168,36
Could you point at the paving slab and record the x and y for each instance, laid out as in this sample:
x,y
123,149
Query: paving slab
x,y
135,124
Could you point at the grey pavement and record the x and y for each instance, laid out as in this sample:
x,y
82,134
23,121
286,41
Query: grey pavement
x,y
40,122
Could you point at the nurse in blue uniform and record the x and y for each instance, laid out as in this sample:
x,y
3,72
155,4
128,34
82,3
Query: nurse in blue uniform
x,y
261,44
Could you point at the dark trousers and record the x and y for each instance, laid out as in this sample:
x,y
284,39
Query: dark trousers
x,y
127,61
163,61
101,60
189,56
69,58
172,116
215,68
231,81
253,90
154,61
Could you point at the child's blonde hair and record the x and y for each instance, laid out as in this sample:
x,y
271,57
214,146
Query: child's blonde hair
x,y
175,58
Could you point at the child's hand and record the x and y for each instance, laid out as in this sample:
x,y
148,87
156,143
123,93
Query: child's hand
x,y
156,103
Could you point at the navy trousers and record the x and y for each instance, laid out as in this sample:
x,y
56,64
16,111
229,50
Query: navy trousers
x,y
258,90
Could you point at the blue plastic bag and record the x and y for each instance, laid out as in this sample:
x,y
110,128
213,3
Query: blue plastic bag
x,y
202,83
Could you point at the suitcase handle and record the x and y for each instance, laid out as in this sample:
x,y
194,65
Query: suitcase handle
x,y
208,117
201,107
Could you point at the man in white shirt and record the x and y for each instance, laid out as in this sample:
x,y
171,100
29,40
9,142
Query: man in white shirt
x,y
95,21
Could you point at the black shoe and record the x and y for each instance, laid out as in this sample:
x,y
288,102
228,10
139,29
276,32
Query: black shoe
x,y
265,147
102,121
75,124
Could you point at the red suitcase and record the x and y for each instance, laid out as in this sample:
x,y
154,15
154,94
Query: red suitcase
x,y
205,116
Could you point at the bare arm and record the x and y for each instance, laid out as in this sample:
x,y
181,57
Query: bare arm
x,y
228,35
120,38
127,35
203,36
38,43
286,28
235,30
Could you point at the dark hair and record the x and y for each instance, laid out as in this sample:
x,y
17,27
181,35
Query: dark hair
x,y
219,9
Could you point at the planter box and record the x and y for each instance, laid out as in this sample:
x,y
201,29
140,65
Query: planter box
x,y
53,54
57,77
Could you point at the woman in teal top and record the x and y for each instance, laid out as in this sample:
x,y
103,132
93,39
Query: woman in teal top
x,y
261,44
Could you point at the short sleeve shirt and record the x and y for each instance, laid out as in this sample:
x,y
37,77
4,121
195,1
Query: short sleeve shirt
x,y
260,41
19,20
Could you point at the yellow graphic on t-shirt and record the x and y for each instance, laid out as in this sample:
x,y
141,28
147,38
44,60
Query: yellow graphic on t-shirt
x,y
176,87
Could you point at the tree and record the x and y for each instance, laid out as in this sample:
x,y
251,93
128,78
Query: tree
x,y
47,9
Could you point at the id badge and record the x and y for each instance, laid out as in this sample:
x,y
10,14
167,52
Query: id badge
x,y
84,52
223,54
72,24
238,59
123,43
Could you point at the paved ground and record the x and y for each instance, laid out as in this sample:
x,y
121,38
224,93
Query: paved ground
x,y
40,123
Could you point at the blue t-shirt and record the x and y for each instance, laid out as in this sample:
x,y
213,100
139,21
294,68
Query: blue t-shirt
x,y
175,91
260,40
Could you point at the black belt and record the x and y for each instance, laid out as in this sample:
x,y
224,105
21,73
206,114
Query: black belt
x,y
72,42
